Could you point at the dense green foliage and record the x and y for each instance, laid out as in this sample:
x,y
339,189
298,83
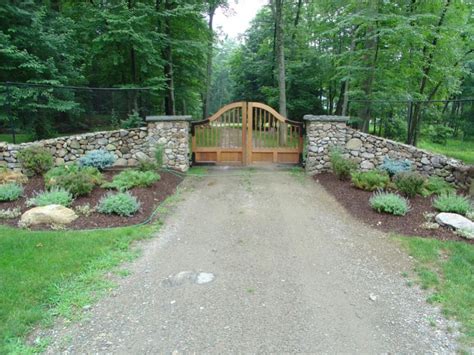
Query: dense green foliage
x,y
435,185
121,203
341,167
77,180
375,61
370,180
409,183
387,202
60,273
123,44
35,160
99,159
10,192
54,196
359,58
128,179
450,202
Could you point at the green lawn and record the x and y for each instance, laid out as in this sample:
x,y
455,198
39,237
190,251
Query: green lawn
x,y
455,148
447,269
20,138
43,274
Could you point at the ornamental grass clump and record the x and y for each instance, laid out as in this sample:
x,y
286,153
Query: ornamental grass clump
x,y
55,196
122,204
409,183
342,167
128,179
387,202
99,159
10,192
35,160
370,180
450,202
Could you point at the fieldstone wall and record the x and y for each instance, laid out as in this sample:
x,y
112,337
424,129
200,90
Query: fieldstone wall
x,y
173,134
369,151
129,146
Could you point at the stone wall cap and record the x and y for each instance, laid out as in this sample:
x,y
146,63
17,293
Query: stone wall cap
x,y
325,118
168,118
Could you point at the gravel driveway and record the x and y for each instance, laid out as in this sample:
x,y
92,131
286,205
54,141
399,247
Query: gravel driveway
x,y
293,272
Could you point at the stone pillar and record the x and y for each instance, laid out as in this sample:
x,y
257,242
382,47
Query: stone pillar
x,y
322,133
171,132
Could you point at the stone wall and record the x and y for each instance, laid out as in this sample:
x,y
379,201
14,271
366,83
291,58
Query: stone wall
x,y
369,151
129,146
174,136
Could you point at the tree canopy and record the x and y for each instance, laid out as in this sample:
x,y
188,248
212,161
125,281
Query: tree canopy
x,y
365,59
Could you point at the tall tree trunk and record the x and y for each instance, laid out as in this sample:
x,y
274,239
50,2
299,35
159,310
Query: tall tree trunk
x,y
342,93
428,53
277,7
170,106
371,44
133,68
345,101
211,12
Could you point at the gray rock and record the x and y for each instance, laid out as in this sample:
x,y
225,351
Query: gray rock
x,y
354,144
367,165
121,162
140,156
457,222
74,145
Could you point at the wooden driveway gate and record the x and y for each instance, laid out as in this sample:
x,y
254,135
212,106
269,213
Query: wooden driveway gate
x,y
245,133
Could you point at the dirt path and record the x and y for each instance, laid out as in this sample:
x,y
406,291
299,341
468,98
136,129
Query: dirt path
x,y
293,273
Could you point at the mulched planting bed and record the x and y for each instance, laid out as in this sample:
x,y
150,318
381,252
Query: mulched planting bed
x,y
149,197
356,201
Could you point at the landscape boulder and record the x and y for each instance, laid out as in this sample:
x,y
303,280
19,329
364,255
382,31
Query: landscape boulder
x,y
51,214
457,222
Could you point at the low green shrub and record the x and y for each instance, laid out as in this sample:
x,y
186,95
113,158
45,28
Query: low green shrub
x,y
99,159
370,180
387,202
437,186
10,192
122,204
35,160
55,196
450,202
128,179
77,180
342,167
409,183
395,166
133,121
147,165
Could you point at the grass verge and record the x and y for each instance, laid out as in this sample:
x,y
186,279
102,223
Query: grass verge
x,y
447,269
58,273
455,148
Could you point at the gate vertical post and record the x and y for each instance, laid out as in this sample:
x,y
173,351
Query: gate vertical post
x,y
249,131
244,133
